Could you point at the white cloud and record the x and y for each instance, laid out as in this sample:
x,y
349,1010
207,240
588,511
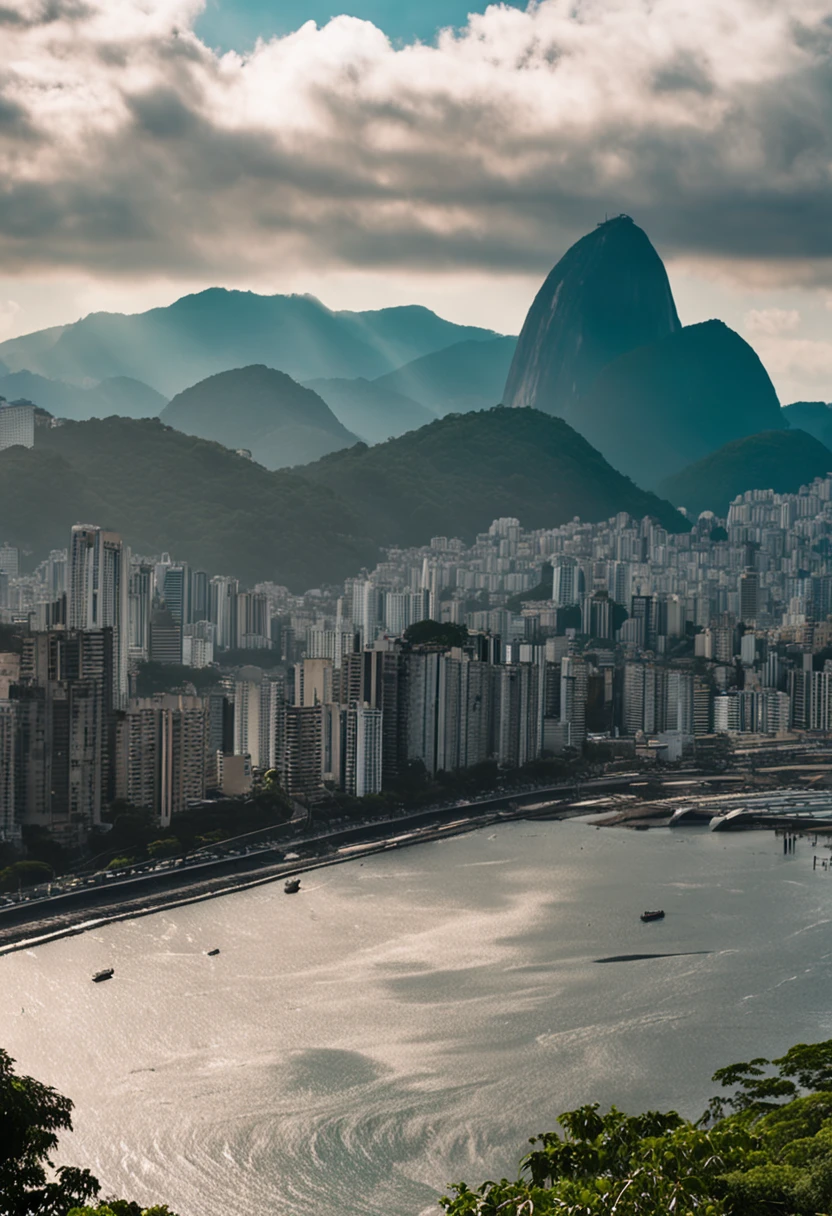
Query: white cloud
x,y
127,145
771,321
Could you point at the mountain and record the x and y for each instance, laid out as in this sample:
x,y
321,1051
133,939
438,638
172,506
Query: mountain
x,y
455,476
812,416
120,395
779,460
466,376
166,491
261,409
608,294
216,330
371,411
654,410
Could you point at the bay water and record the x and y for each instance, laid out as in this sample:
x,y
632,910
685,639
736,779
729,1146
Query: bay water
x,y
411,1019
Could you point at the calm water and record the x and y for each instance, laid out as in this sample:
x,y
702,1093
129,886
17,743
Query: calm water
x,y
411,1020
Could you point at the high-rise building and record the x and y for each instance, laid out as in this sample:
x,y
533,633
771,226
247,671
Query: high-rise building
x,y
65,722
596,615
9,820
176,593
223,610
200,596
642,614
566,581
573,693
139,607
163,759
301,766
519,726
165,637
97,596
198,644
10,560
363,747
17,424
749,596
253,621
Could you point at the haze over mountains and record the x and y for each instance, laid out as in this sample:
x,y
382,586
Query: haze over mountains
x,y
260,409
216,330
602,350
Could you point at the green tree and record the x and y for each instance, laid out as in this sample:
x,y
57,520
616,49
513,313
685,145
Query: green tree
x,y
31,1115
769,1155
24,874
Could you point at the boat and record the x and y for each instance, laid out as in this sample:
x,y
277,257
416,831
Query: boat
x,y
291,886
658,915
106,974
211,953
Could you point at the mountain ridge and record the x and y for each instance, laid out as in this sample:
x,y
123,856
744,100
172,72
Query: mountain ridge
x,y
174,346
261,409
779,460
304,527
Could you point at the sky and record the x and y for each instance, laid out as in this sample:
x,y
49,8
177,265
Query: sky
x,y
379,152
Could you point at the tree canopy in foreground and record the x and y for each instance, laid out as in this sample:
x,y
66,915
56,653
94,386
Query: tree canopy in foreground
x,y
764,1149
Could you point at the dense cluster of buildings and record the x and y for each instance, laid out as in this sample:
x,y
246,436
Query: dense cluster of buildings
x,y
636,634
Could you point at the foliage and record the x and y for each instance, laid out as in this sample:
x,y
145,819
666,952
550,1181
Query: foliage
x,y
121,863
11,638
168,846
306,527
152,678
246,656
782,461
31,1116
434,633
121,1207
771,1155
24,874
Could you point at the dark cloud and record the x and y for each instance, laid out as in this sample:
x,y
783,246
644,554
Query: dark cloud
x,y
492,150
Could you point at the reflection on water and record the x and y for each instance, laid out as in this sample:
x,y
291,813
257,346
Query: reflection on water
x,y
411,1020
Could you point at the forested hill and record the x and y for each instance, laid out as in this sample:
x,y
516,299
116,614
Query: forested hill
x,y
457,474
782,461
163,490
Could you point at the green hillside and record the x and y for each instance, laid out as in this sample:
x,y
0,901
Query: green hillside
x,y
782,461
163,490
453,477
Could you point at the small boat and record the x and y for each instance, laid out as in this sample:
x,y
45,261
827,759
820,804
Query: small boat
x,y
291,886
106,974
211,953
659,915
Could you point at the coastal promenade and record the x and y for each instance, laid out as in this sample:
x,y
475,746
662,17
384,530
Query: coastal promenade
x,y
84,903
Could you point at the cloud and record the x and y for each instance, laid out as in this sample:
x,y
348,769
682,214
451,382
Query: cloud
x,y
771,321
128,146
